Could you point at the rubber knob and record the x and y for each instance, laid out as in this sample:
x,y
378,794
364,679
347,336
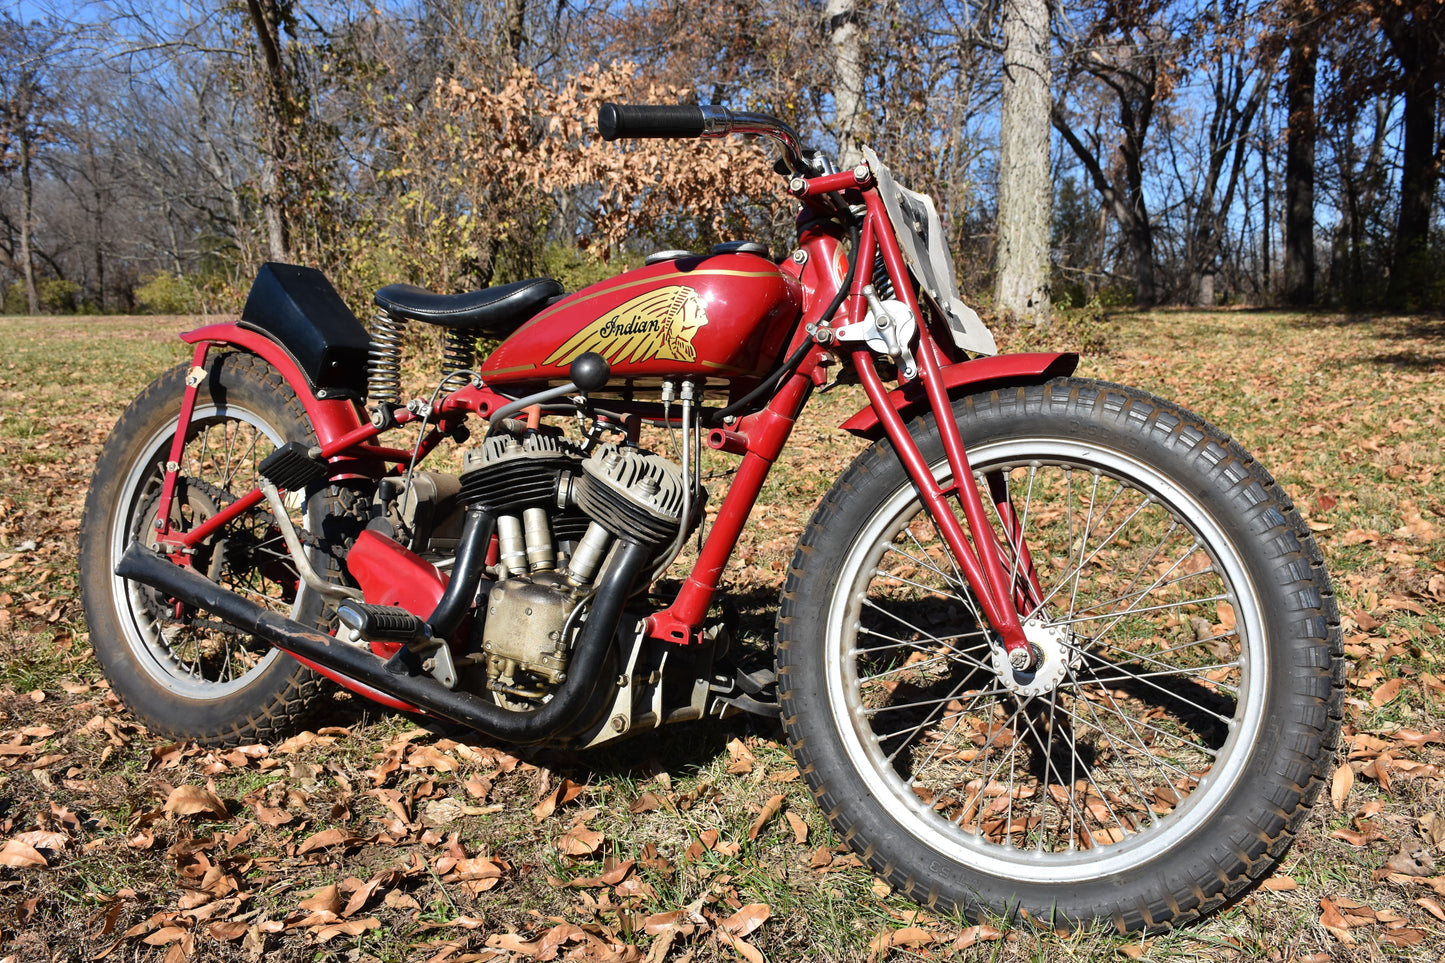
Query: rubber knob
x,y
590,371
649,120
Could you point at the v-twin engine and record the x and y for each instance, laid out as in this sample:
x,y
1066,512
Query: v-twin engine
x,y
560,511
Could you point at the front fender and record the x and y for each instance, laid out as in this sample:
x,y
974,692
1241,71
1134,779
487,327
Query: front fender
x,y
967,377
332,416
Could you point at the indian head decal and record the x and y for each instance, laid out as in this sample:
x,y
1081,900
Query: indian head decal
x,y
658,324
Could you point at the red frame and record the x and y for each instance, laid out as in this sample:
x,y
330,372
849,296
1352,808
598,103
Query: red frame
x,y
346,435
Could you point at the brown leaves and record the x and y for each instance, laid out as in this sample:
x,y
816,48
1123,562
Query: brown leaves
x,y
21,855
195,801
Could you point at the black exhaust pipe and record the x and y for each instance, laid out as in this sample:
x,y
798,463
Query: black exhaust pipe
x,y
411,686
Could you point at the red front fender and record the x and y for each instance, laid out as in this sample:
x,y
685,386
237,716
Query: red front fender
x,y
992,372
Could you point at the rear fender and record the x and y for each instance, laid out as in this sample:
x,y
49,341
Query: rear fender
x,y
967,377
331,416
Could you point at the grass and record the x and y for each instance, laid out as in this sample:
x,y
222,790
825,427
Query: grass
x,y
1345,411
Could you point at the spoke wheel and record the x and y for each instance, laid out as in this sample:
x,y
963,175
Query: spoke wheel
x,y
184,673
1169,608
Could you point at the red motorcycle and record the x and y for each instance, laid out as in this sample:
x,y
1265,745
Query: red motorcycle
x,y
1048,646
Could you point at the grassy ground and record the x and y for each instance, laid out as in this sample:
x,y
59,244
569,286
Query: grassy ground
x,y
375,839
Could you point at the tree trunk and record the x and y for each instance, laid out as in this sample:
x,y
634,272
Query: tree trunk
x,y
845,36
27,221
1416,49
265,18
1025,195
514,17
1299,171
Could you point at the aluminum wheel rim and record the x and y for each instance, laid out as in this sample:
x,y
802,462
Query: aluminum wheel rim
x,y
157,656
1042,863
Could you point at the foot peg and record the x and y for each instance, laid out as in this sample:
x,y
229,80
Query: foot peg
x,y
381,623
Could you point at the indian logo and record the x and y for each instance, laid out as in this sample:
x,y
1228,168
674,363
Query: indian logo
x,y
658,324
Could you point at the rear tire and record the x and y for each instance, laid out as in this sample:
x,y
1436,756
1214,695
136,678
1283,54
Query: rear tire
x,y
183,674
1168,747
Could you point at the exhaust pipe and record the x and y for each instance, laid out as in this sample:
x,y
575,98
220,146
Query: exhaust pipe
x,y
409,685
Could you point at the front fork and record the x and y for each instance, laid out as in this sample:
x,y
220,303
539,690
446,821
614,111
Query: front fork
x,y
978,556
1002,593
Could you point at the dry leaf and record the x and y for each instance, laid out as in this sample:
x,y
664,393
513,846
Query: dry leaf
x,y
1432,907
770,809
800,828
325,840
1281,884
1334,921
580,841
1404,936
1340,785
742,758
327,899
348,928
976,934
747,919
566,791
1387,693
195,801
1413,859
21,855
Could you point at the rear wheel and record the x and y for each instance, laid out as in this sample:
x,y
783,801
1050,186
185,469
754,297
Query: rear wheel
x,y
183,673
1185,704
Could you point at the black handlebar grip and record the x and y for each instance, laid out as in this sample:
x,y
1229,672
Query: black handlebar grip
x,y
648,120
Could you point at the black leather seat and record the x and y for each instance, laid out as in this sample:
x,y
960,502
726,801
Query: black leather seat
x,y
490,310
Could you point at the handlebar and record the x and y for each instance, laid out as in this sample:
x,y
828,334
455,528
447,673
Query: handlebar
x,y
680,121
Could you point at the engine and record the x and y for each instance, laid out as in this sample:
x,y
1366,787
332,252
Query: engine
x,y
559,512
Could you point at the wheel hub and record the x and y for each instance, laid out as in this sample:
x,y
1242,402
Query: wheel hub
x,y
1053,657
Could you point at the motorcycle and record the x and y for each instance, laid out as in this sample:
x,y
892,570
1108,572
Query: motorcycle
x,y
1048,647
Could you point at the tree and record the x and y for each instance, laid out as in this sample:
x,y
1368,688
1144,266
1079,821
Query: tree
x,y
1129,71
841,22
26,106
1416,35
1024,192
1299,170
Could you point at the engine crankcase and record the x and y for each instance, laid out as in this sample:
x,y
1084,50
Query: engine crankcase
x,y
524,637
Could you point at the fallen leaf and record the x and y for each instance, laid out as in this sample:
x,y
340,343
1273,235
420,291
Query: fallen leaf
x,y
1281,884
325,840
1413,859
1404,936
1340,785
195,801
566,791
1432,907
1334,921
1387,693
976,934
770,809
327,899
21,855
580,841
747,919
742,758
348,928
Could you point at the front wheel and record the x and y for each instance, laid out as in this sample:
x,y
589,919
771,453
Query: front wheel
x,y
1180,720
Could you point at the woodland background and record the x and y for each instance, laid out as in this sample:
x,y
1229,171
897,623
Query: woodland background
x,y
1204,151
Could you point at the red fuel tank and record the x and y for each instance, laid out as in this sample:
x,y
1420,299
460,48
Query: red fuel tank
x,y
726,318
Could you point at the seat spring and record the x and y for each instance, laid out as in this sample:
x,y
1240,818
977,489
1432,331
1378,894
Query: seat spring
x,y
383,369
460,351
882,284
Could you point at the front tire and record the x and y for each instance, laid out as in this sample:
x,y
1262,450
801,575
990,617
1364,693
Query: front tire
x,y
1168,746
180,672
